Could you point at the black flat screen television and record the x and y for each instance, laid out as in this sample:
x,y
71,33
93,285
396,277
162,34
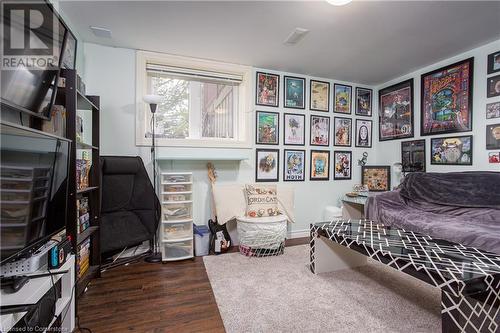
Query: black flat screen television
x,y
33,188
25,87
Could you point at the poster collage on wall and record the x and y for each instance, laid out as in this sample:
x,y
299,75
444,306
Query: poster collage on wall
x,y
445,108
324,131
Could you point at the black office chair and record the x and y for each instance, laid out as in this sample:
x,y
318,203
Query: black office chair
x,y
130,209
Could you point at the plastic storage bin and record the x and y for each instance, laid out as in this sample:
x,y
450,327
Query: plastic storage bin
x,y
177,230
178,250
201,240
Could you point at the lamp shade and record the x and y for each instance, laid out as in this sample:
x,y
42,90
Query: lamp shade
x,y
151,99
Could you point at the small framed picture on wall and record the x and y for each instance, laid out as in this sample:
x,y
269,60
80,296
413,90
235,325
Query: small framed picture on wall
x,y
320,165
295,161
343,131
267,90
342,98
413,155
363,102
294,129
494,62
376,177
342,165
363,133
267,128
493,136
295,92
493,110
455,150
493,86
319,99
267,165
320,131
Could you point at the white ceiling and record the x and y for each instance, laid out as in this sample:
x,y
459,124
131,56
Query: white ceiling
x,y
364,42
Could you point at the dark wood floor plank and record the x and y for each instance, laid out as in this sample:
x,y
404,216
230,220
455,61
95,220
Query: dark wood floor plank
x,y
142,297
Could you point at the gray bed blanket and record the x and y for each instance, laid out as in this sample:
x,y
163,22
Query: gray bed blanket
x,y
465,224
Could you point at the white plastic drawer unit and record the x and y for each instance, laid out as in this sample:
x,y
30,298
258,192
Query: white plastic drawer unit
x,y
177,250
176,197
177,211
177,230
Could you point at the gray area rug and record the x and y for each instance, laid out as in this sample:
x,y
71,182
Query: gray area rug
x,y
280,294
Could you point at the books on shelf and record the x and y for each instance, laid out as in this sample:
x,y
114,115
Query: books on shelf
x,y
83,165
83,258
82,214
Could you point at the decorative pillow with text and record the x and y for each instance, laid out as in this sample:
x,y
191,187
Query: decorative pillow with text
x,y
262,200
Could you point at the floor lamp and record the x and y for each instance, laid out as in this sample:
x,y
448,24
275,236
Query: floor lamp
x,y
153,101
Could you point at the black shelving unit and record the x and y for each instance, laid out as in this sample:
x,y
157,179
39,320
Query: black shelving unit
x,y
76,102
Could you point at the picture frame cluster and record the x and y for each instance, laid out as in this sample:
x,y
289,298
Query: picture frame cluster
x,y
312,126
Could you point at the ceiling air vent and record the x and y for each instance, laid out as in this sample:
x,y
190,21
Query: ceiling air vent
x,y
101,32
296,36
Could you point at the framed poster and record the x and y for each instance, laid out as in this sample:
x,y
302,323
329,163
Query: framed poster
x,y
320,131
494,157
342,165
267,90
69,53
319,99
267,165
413,156
396,111
320,165
455,150
363,133
446,99
376,177
494,62
493,110
267,128
342,98
342,131
493,86
363,102
294,129
493,136
295,161
295,92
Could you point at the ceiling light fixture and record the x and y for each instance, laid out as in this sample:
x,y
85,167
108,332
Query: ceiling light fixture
x,y
101,32
338,2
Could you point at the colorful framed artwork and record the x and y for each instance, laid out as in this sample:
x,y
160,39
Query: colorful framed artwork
x,y
342,98
267,90
320,165
456,150
342,131
446,99
267,165
342,165
319,99
294,129
494,157
295,92
493,86
267,128
320,131
363,102
396,111
494,62
493,110
376,177
295,161
493,136
413,156
363,133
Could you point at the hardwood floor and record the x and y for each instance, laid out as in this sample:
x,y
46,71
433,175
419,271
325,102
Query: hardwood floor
x,y
141,297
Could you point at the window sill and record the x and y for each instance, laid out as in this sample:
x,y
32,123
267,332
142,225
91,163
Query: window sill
x,y
203,154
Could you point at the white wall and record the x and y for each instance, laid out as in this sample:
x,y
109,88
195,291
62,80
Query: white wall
x,y
110,73
389,152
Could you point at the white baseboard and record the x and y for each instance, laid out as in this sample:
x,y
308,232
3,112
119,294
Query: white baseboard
x,y
298,233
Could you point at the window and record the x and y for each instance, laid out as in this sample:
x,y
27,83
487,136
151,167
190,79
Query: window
x,y
203,103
